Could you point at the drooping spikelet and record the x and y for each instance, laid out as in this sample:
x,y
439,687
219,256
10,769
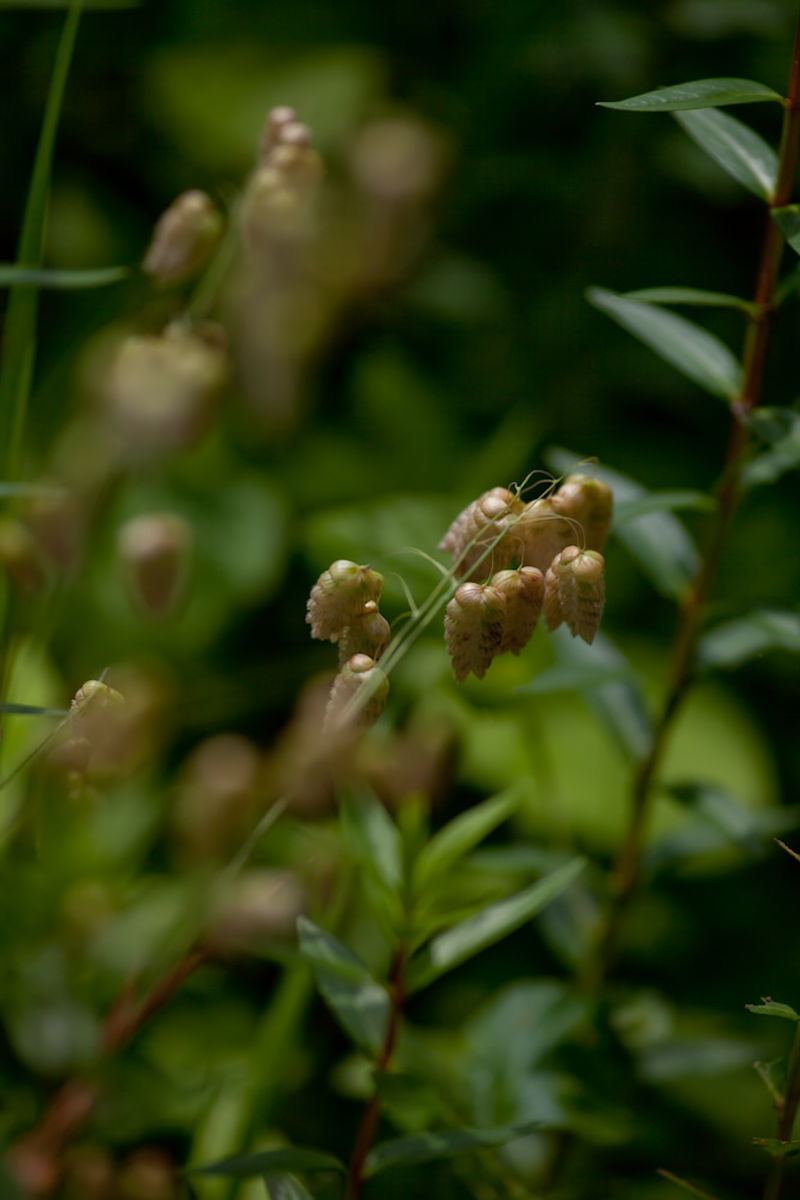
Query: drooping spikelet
x,y
542,533
575,592
590,502
482,537
523,592
358,694
339,596
369,633
473,628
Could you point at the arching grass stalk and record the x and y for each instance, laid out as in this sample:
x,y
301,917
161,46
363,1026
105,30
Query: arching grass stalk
x,y
627,868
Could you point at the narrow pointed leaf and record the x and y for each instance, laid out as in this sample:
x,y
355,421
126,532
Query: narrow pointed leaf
x,y
287,1158
781,429
735,642
688,295
693,351
12,274
788,221
773,1008
375,839
736,147
286,1187
698,93
356,999
444,1143
653,502
776,1148
476,933
462,834
32,710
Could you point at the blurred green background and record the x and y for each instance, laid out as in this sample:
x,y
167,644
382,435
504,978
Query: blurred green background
x,y
453,375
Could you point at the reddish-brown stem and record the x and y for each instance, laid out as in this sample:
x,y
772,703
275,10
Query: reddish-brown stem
x,y
625,877
35,1160
787,1114
372,1113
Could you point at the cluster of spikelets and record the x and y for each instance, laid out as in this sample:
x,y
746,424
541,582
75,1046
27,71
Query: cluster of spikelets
x,y
518,560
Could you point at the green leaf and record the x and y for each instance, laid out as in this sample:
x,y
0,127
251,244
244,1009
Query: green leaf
x,y
788,221
577,677
653,502
739,824
287,1158
657,541
286,1187
773,1008
699,93
356,999
688,295
693,351
12,274
735,642
462,834
476,933
32,710
737,148
19,335
776,1148
444,1143
375,839
781,428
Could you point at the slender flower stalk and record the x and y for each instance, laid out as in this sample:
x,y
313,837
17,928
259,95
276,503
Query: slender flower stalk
x,y
627,868
787,1114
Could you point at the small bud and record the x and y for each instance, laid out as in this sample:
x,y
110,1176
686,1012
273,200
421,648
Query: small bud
x,y
19,557
219,790
482,537
339,596
542,533
184,239
155,550
473,628
590,502
277,120
57,520
95,713
575,592
369,633
399,159
523,591
259,906
358,695
160,391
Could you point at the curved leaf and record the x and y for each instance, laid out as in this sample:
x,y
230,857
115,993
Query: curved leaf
x,y
476,933
773,1008
358,1001
440,1143
691,350
788,221
698,93
688,295
654,502
781,428
286,1187
287,1158
735,642
11,274
462,834
737,148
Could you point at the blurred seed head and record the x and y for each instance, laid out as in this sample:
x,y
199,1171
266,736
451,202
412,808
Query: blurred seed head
x,y
259,906
217,796
358,695
339,597
57,521
155,549
542,533
590,502
148,1174
369,633
20,558
184,239
473,628
399,159
419,761
89,1173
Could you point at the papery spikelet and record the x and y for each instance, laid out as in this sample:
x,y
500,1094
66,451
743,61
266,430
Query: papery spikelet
x,y
590,502
523,591
489,519
358,694
369,633
473,628
184,238
575,592
339,597
155,550
542,533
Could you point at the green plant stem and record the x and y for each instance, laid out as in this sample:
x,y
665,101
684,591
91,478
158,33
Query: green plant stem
x,y
627,869
787,1112
372,1113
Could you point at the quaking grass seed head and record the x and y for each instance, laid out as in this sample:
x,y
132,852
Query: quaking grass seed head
x,y
339,597
358,695
184,239
523,592
482,538
369,633
590,502
473,627
575,592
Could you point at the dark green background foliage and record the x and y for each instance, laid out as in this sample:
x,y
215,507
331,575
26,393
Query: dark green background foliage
x,y
459,376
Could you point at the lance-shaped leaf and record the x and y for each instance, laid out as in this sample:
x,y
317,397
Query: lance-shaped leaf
x,y
788,221
11,274
781,428
653,502
493,923
443,1143
356,999
689,295
773,1008
287,1158
735,642
697,93
737,148
693,351
375,839
777,1148
286,1187
462,834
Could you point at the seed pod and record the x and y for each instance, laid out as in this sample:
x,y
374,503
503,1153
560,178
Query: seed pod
x,y
259,906
482,538
523,591
339,597
184,238
96,713
155,550
358,695
542,533
473,628
277,120
575,592
369,633
590,502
